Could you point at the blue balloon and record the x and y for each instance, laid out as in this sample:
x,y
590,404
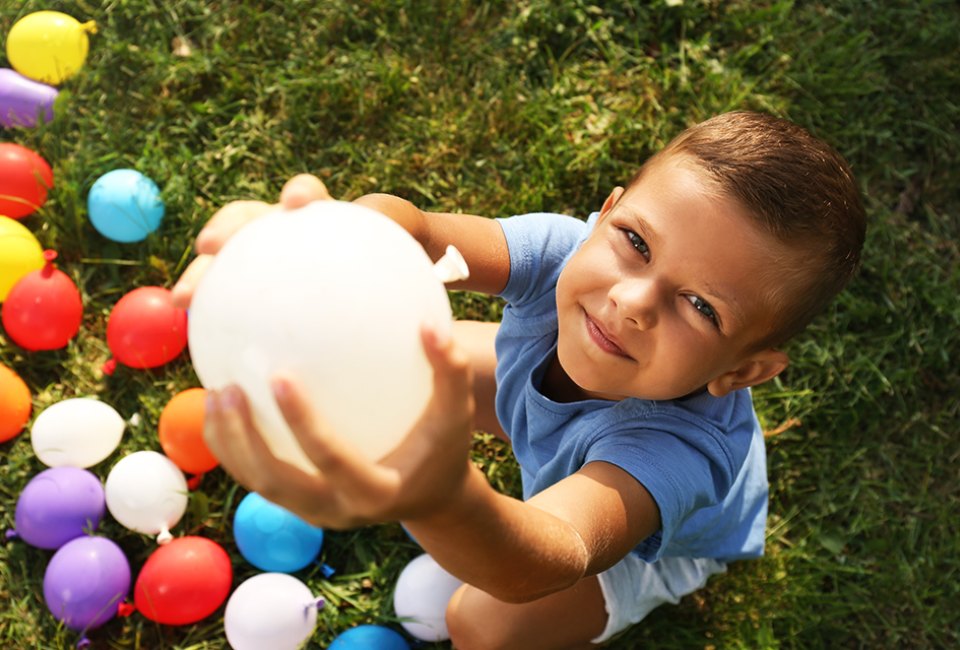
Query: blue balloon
x,y
369,637
272,538
125,206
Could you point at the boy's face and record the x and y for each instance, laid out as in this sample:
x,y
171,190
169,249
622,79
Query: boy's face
x,y
668,292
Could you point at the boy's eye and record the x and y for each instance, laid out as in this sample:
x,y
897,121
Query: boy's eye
x,y
705,309
637,242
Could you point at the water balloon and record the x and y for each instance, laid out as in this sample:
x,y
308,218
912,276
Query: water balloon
x,y
272,538
25,179
80,432
15,404
57,505
306,292
43,310
125,206
23,101
184,581
180,430
270,610
145,330
420,599
48,46
20,253
147,493
85,581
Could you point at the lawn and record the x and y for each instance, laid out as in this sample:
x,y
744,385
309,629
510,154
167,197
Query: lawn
x,y
499,108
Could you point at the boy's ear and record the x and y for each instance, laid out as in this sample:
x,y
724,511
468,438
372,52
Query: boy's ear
x,y
611,201
754,370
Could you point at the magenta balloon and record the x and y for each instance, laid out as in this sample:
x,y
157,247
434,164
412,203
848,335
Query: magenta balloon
x,y
85,581
23,100
59,504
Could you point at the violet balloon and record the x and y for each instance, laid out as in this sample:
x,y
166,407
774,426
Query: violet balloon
x,y
57,505
23,101
85,581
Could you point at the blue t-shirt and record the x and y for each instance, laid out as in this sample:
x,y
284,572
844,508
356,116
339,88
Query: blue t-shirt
x,y
702,458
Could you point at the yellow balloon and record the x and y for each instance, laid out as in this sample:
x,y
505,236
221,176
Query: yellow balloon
x,y
20,253
48,46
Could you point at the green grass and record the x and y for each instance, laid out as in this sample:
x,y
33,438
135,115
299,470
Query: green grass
x,y
499,108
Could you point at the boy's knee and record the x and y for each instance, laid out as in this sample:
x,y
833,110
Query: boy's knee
x,y
472,621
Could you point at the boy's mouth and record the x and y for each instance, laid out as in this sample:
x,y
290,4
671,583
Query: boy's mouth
x,y
602,339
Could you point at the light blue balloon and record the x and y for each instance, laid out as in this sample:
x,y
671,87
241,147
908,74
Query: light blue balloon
x,y
125,206
369,637
272,538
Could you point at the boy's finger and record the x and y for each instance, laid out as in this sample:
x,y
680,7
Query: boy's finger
x,y
301,190
332,455
227,221
452,376
182,292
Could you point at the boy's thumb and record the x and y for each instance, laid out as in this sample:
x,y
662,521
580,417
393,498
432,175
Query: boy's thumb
x,y
301,190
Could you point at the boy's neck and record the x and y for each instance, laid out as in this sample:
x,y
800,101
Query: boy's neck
x,y
557,385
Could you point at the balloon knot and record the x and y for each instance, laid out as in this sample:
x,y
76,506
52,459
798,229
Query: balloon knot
x,y
194,481
49,256
164,537
327,570
89,27
83,642
319,603
109,367
11,534
125,609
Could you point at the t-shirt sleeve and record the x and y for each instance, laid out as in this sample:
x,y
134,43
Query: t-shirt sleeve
x,y
682,473
539,244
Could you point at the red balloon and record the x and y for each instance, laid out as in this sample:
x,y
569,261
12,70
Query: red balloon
x,y
183,581
25,178
43,310
145,330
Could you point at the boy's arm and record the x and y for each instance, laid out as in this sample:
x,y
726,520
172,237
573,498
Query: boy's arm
x,y
520,551
479,239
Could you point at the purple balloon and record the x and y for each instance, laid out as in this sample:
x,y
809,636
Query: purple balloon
x,y
59,504
22,100
85,581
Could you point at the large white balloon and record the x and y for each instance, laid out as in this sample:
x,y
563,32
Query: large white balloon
x,y
77,432
420,599
146,492
334,294
270,610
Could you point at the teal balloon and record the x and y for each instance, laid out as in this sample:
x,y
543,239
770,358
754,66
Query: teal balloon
x,y
272,538
125,206
369,637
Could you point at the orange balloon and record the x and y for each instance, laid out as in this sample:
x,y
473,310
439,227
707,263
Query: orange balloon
x,y
15,404
181,432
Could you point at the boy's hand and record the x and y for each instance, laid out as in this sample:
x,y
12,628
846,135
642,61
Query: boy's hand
x,y
296,192
427,470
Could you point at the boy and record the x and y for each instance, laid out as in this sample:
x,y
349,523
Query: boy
x,y
621,377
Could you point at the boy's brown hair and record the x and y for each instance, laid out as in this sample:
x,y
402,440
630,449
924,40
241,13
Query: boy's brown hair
x,y
798,189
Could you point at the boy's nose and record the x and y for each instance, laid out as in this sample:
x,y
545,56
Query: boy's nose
x,y
637,302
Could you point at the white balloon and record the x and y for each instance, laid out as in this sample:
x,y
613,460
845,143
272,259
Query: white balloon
x,y
334,294
270,610
78,432
147,493
423,590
